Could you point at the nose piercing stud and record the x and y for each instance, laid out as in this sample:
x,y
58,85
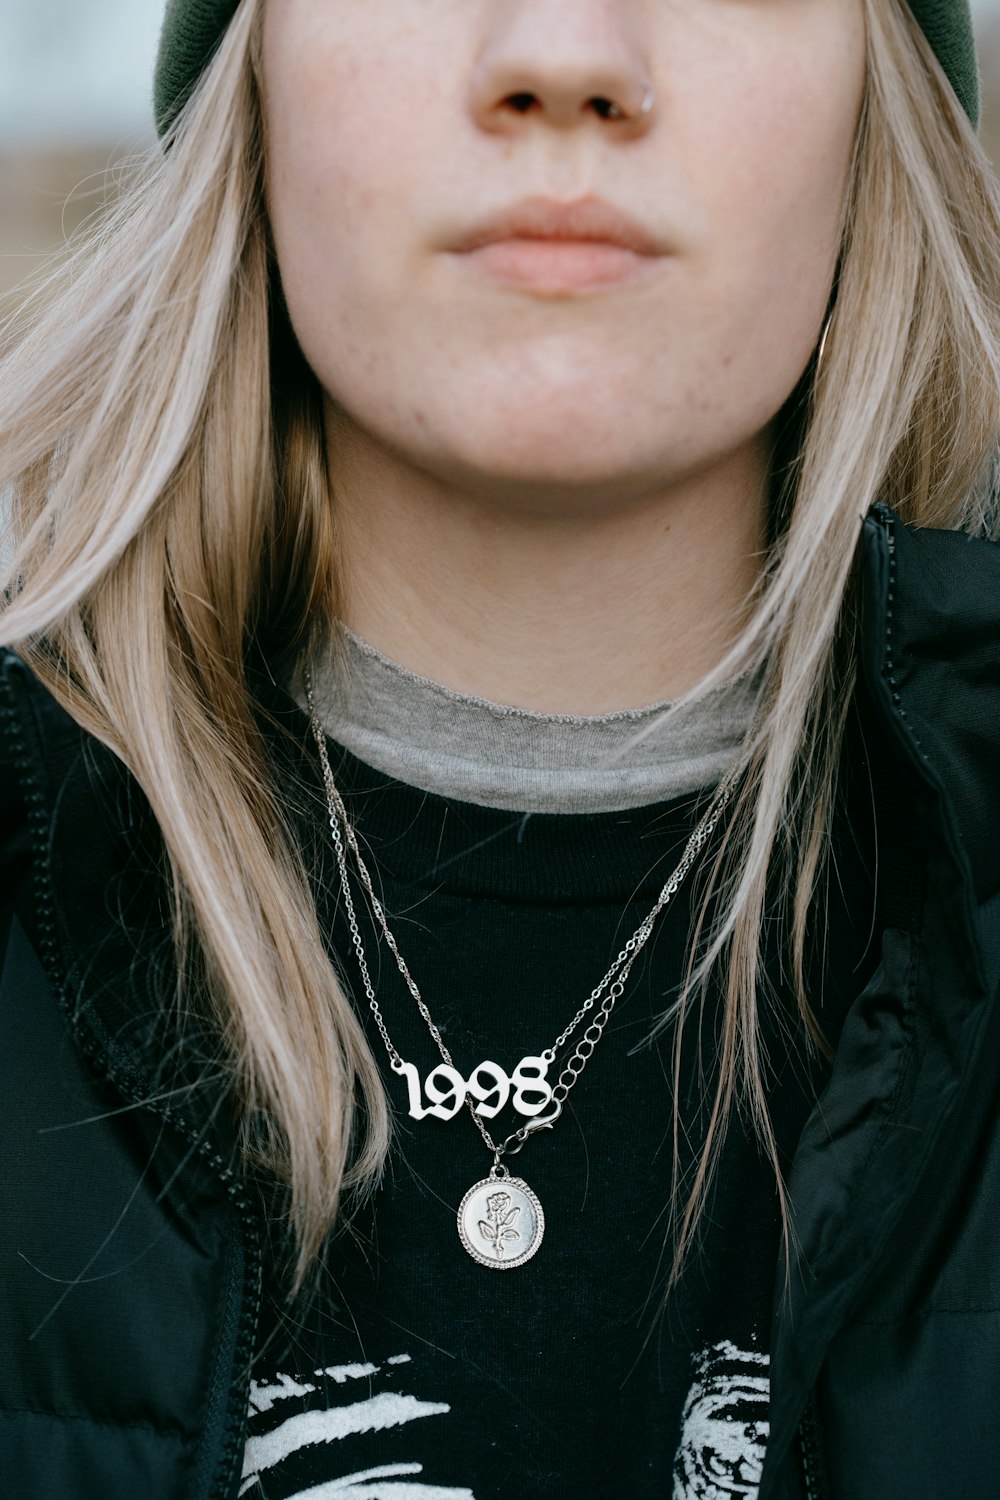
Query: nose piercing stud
x,y
615,111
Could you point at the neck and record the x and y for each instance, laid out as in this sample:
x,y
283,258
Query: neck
x,y
563,608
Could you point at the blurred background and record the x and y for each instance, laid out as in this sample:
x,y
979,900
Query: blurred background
x,y
75,97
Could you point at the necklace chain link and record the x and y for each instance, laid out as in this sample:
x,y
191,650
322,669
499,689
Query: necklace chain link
x,y
604,996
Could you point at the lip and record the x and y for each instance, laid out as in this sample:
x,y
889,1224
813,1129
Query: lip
x,y
586,219
560,246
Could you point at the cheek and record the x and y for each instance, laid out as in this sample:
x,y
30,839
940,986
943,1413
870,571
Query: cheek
x,y
775,159
771,160
342,167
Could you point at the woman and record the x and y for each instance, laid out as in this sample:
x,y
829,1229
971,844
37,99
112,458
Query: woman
x,y
507,500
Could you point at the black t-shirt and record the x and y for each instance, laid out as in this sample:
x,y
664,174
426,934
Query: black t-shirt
x,y
416,1373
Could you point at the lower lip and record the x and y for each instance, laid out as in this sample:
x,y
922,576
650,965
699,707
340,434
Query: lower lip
x,y
559,265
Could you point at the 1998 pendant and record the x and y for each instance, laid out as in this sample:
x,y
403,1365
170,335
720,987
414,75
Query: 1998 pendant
x,y
446,1090
500,1222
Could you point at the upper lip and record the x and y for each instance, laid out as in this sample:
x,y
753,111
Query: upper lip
x,y
549,219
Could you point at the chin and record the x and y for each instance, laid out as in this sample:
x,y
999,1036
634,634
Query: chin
x,y
560,473
547,438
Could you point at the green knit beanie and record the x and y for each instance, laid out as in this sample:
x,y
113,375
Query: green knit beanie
x,y
192,30
947,25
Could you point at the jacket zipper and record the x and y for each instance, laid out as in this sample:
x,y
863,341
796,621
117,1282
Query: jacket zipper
x,y
809,1441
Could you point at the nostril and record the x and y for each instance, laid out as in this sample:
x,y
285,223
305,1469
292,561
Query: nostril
x,y
606,109
521,102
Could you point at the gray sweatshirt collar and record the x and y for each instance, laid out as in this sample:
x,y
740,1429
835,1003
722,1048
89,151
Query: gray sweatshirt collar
x,y
461,746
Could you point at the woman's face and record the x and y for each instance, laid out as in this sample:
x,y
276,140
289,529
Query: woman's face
x,y
547,371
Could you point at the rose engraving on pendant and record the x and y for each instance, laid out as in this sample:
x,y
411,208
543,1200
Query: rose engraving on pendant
x,y
499,1228
500,1222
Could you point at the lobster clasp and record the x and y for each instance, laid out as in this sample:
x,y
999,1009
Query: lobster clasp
x,y
540,1122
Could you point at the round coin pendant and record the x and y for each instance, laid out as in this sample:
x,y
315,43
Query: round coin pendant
x,y
500,1222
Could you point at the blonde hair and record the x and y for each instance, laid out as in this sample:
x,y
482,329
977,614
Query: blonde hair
x,y
162,442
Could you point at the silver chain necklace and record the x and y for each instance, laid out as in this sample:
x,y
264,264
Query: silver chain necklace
x,y
500,1220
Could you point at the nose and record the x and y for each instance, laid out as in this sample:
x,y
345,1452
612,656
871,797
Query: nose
x,y
562,61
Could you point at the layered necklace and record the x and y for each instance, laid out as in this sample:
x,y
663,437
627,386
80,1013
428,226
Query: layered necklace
x,y
500,1219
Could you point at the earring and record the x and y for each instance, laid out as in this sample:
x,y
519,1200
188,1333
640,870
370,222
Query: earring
x,y
821,349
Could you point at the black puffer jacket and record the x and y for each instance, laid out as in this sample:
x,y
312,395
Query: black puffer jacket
x,y
130,1248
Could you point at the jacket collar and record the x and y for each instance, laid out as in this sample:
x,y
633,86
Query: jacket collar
x,y
929,709
99,918
931,660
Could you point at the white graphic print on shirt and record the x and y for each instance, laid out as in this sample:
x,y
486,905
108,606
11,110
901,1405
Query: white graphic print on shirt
x,y
265,1450
720,1455
724,1426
